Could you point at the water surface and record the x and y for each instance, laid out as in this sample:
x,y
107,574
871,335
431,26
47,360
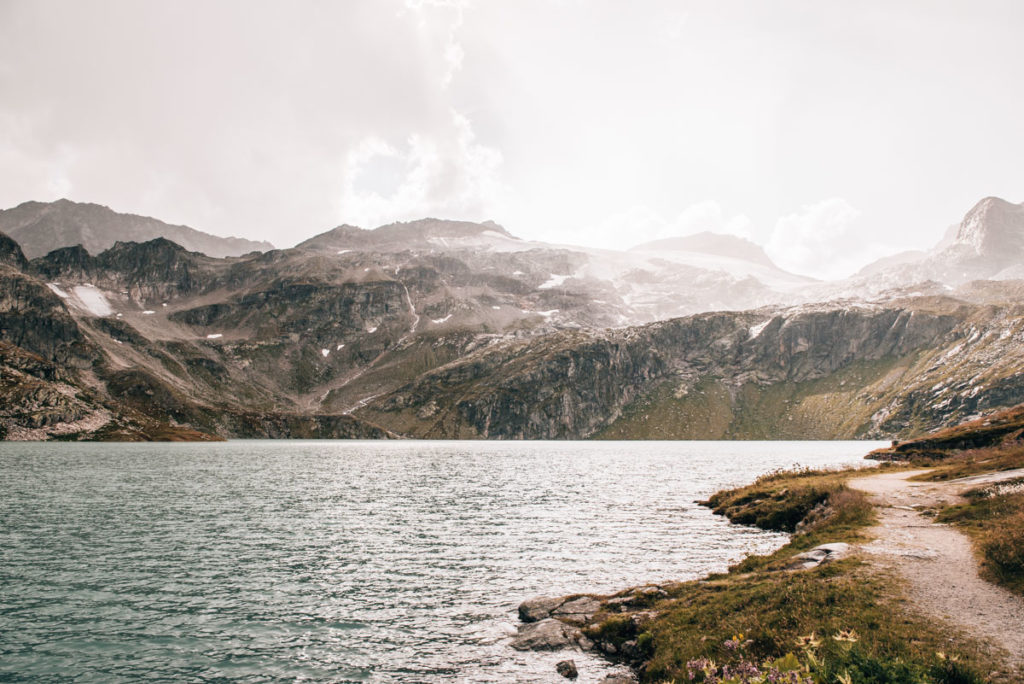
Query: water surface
x,y
345,561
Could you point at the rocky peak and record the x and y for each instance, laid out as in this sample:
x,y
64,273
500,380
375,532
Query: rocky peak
x,y
11,254
993,228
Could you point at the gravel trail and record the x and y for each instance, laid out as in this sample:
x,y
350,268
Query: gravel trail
x,y
937,560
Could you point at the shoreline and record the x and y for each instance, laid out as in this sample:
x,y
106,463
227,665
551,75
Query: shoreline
x,y
656,630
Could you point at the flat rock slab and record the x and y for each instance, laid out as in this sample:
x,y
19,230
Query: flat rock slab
x,y
546,635
579,610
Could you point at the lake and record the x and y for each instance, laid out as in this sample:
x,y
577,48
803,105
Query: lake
x,y
336,561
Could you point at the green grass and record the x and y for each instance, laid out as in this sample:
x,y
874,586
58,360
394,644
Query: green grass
x,y
786,500
773,610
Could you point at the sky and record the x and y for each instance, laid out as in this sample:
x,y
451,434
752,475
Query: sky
x,y
830,132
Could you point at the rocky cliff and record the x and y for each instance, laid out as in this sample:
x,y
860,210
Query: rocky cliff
x,y
810,372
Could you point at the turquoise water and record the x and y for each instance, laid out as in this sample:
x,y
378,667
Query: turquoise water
x,y
344,561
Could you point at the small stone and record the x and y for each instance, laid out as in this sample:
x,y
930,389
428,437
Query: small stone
x,y
567,669
538,608
619,678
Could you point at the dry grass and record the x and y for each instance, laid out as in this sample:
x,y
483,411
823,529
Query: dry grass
x,y
973,462
994,519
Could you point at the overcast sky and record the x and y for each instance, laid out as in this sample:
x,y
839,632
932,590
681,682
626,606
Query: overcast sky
x,y
830,132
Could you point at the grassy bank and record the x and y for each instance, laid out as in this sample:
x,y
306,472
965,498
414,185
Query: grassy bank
x,y
994,519
842,621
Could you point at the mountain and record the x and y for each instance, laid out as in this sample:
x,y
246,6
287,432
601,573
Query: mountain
x,y
423,234
988,244
648,283
442,329
42,226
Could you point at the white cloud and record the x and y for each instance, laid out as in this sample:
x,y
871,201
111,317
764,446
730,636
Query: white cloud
x,y
443,176
708,216
822,240
641,223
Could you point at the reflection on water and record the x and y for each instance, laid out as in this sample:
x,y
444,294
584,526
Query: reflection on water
x,y
344,561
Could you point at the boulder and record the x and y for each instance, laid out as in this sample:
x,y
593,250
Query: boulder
x,y
567,669
546,635
578,610
619,678
825,553
538,608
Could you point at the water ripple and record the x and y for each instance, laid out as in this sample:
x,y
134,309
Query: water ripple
x,y
344,561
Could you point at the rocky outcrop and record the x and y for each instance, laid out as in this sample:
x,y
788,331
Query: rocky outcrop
x,y
34,318
11,254
546,635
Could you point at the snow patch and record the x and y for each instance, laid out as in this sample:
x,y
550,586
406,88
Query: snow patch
x,y
496,308
214,336
548,314
518,273
339,347
441,320
344,251
147,312
93,300
553,281
372,330
325,352
756,330
57,291
164,304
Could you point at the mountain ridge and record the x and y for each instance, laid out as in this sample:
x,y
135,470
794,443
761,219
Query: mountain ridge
x,y
40,227
453,337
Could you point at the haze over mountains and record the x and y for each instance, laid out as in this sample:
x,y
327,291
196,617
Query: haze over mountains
x,y
43,226
438,328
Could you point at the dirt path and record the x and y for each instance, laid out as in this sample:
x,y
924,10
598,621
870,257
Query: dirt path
x,y
937,560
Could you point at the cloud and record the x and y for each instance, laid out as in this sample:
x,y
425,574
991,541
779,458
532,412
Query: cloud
x,y
641,223
822,240
256,135
707,216
447,176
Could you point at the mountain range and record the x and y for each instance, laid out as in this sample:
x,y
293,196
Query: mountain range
x,y
447,329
